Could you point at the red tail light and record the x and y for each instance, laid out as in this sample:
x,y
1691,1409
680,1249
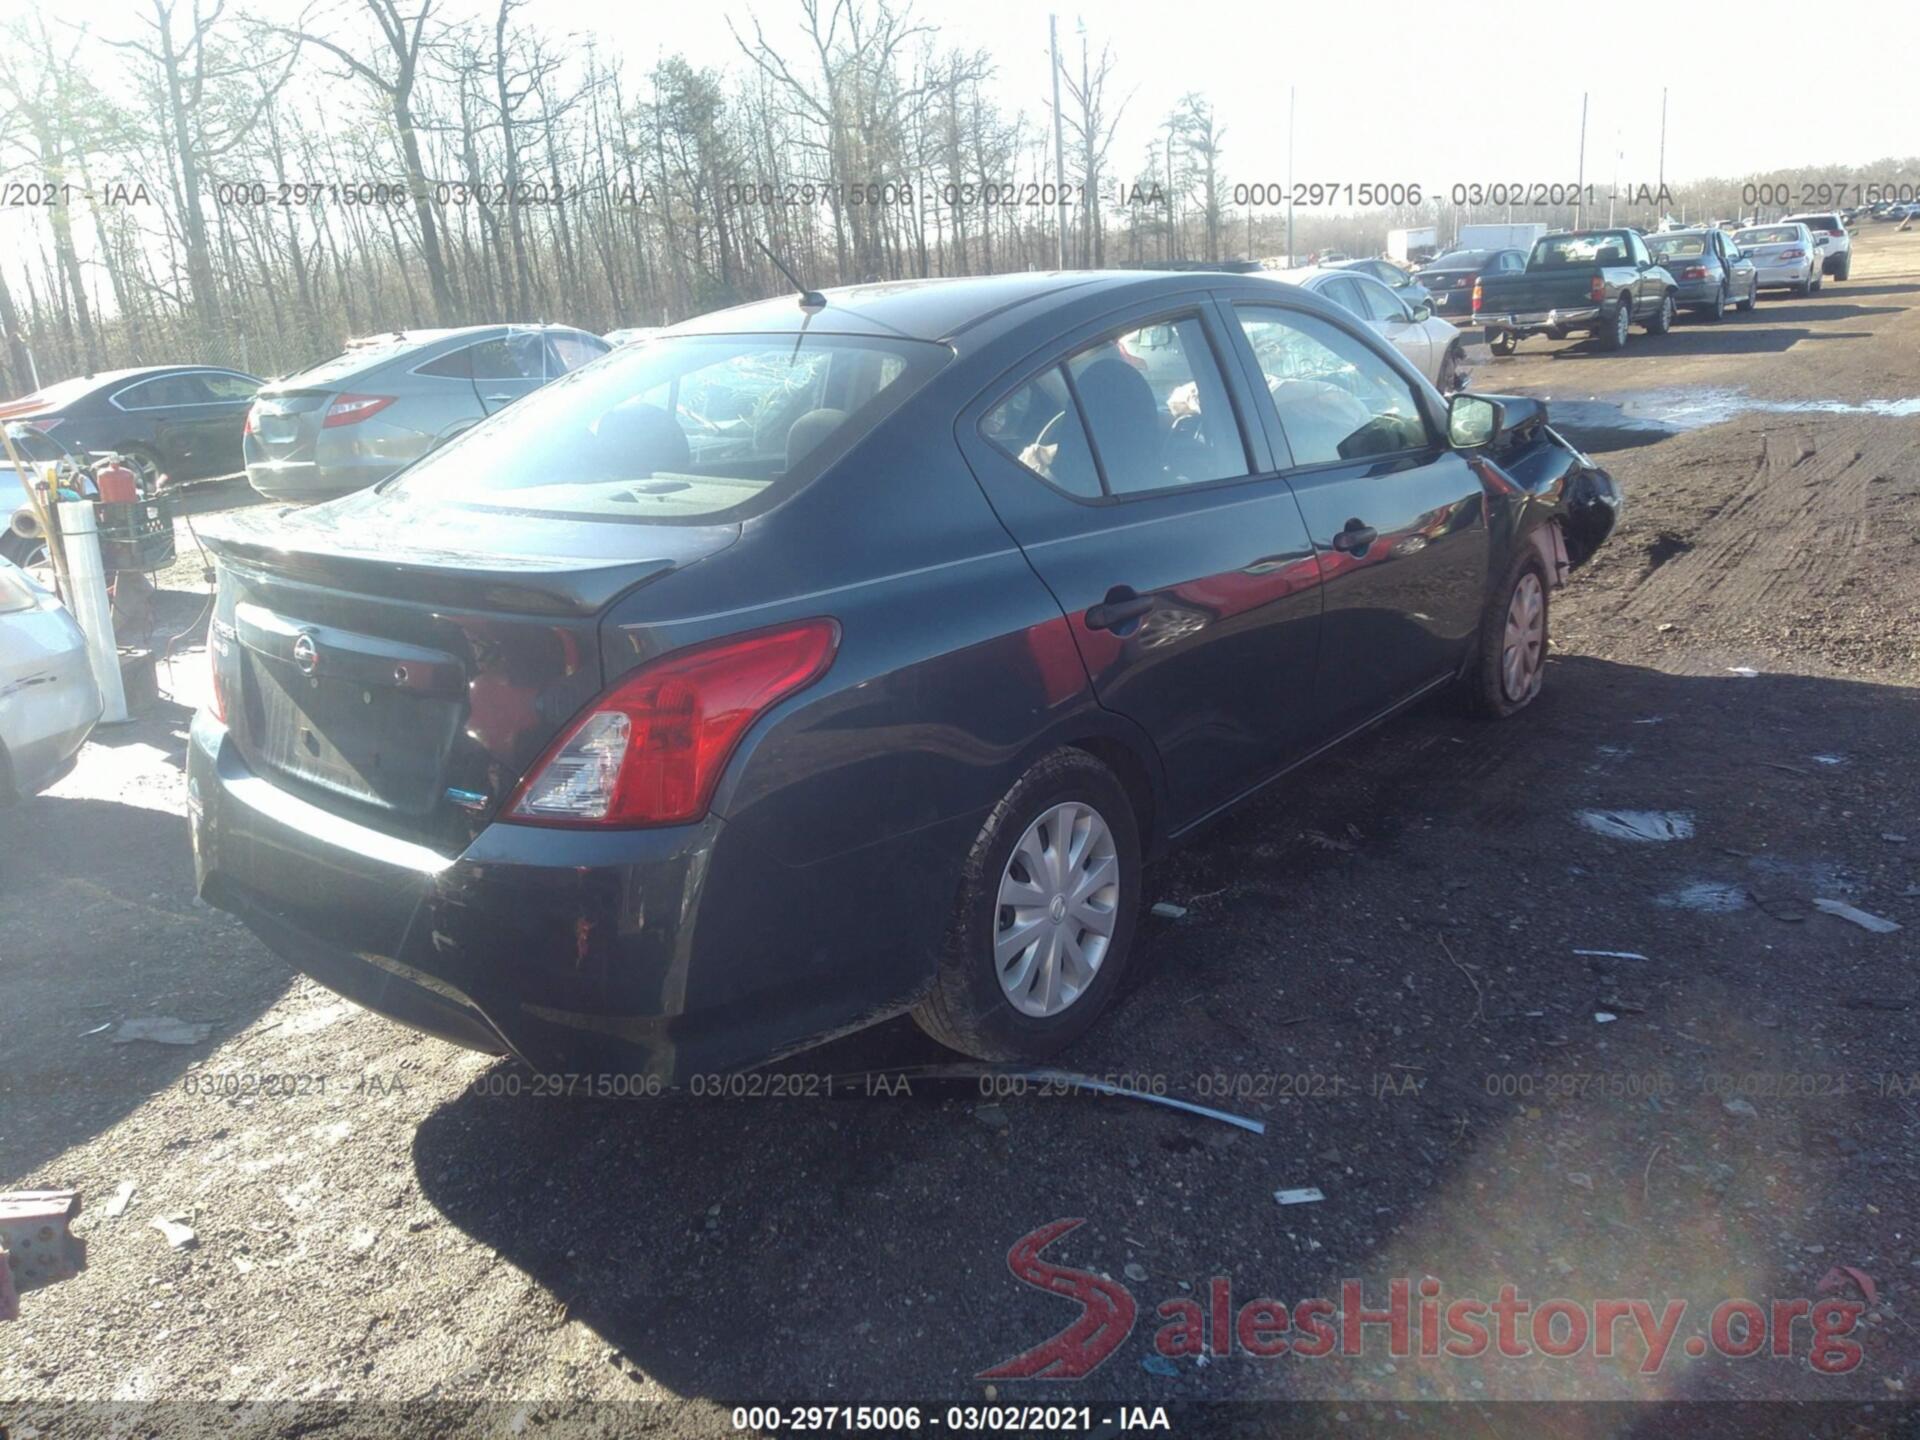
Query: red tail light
x,y
1794,254
651,749
1478,295
1694,272
1597,291
352,409
252,412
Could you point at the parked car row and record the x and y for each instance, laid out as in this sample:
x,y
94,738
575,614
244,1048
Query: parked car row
x,y
1603,282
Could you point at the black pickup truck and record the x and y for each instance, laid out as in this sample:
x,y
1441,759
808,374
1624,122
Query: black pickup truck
x,y
1593,281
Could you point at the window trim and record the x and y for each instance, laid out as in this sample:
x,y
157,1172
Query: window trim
x,y
114,398
1195,305
1436,442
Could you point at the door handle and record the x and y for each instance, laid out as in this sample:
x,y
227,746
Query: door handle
x,y
1122,606
497,399
1355,537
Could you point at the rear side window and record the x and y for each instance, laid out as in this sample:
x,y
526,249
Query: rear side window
x,y
164,392
230,387
1381,303
1680,247
684,428
1336,399
454,365
1039,426
512,357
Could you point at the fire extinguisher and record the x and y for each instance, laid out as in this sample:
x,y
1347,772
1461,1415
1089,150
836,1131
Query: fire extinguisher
x,y
117,484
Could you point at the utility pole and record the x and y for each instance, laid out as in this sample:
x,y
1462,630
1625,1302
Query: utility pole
x,y
1059,145
1663,138
1291,262
1580,185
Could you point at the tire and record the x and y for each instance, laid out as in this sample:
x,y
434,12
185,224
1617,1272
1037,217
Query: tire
x,y
1662,321
1846,267
1804,288
1453,374
1615,336
1502,342
1819,279
971,1008
1753,296
1718,310
145,464
1490,683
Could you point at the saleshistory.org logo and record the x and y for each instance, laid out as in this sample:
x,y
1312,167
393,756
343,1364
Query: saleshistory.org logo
x,y
1416,1320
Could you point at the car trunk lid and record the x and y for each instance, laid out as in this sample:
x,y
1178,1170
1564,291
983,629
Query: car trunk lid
x,y
403,664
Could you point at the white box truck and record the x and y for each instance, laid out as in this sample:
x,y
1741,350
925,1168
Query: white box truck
x,y
1414,246
1498,237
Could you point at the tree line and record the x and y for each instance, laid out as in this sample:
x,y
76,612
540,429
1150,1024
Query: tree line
x,y
220,186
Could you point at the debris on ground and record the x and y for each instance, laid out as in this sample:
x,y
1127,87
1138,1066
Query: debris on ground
x,y
1168,911
1303,1195
1612,954
1737,1106
1839,1275
179,1236
161,1030
1604,1017
1746,672
992,1116
35,1241
1865,921
117,1202
1159,1365
1639,825
1135,1271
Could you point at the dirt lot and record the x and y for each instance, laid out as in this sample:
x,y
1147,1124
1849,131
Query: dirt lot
x,y
1382,963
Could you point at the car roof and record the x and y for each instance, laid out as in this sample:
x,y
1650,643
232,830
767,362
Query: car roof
x,y
933,310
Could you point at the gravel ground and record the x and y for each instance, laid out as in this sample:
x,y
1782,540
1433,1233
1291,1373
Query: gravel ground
x,y
1382,963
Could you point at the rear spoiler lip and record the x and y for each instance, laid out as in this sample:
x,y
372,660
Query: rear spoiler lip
x,y
520,585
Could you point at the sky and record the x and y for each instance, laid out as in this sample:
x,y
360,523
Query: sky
x,y
1389,92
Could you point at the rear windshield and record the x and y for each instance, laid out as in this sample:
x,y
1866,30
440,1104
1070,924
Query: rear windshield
x,y
1819,222
348,362
1559,251
1768,235
1678,247
1460,260
679,427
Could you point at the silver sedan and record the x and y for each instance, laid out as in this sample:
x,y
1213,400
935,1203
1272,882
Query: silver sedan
x,y
1432,345
48,699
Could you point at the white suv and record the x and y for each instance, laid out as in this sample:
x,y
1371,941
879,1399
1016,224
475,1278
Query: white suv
x,y
1830,234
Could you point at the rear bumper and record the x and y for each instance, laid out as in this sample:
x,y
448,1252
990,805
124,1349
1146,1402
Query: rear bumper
x,y
43,724
1541,322
1795,274
304,481
662,953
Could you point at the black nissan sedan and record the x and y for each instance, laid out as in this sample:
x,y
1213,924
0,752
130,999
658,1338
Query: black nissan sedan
x,y
181,422
830,658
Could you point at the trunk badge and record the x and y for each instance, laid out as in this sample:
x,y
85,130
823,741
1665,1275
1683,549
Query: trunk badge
x,y
306,655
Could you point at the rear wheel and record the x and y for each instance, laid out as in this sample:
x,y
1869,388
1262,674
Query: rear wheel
x,y
1718,310
1846,266
1453,370
1614,336
1044,925
1753,295
1819,279
1510,666
1502,342
1804,288
1662,320
145,465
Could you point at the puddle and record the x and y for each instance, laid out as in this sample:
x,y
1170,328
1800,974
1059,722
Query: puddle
x,y
1656,413
1639,825
1709,897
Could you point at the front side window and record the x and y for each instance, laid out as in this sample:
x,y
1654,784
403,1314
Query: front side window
x,y
1337,400
1382,304
686,428
520,356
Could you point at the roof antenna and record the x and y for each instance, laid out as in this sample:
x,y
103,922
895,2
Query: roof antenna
x,y
811,301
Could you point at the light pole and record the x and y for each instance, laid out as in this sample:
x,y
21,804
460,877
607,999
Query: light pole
x,y
1059,147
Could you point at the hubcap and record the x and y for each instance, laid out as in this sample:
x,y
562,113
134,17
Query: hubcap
x,y
1524,647
1059,899
1621,322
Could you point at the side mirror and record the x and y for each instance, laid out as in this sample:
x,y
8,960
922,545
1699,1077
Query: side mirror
x,y
1423,311
1473,421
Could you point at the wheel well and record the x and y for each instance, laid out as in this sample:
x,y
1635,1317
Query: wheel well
x,y
1132,771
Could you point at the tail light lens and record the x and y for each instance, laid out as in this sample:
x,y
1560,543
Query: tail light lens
x,y
352,409
1794,254
1694,272
651,749
253,412
1597,291
1478,295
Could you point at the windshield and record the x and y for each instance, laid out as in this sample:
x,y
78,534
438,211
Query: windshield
x,y
1460,260
1678,247
1609,247
1769,235
679,427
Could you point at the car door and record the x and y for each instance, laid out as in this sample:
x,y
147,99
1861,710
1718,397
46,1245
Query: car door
x,y
1649,284
1393,320
510,367
229,395
164,413
1153,510
1740,270
1397,519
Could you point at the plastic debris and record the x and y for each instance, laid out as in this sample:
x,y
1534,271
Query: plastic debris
x,y
1612,954
97,1030
180,1237
992,1116
1861,918
161,1030
1737,1106
1159,1365
1604,1017
1744,671
1892,839
1838,1276
1638,825
1304,1195
1167,911
117,1203
1135,1270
